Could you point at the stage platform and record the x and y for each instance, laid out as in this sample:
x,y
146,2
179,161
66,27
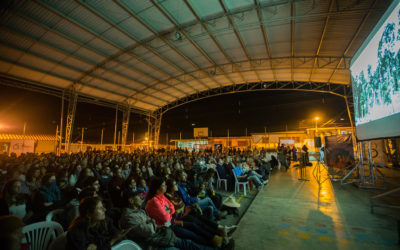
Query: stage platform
x,y
293,214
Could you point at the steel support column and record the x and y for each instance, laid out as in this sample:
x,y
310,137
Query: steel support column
x,y
154,125
156,128
72,98
126,112
60,139
348,98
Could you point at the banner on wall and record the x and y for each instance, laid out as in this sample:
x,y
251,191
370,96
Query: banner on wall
x,y
339,151
286,141
22,146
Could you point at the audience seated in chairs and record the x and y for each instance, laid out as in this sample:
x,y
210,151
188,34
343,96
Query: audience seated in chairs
x,y
92,229
70,178
146,231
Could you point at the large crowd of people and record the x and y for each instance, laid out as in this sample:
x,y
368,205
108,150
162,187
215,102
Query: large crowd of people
x,y
159,199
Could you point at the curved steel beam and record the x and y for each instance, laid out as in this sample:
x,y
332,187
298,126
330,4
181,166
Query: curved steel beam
x,y
334,89
57,92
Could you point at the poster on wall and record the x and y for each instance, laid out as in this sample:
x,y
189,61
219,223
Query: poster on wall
x,y
22,146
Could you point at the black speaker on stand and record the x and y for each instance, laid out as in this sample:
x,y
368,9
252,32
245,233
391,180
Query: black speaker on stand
x,y
317,141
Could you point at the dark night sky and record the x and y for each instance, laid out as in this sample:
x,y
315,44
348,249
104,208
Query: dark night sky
x,y
274,109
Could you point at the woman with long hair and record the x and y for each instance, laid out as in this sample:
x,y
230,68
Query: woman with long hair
x,y
91,229
14,202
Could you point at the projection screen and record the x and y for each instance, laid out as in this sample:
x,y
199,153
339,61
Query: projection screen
x,y
375,73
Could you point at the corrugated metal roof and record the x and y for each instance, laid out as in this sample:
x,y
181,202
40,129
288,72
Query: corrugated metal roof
x,y
153,52
6,137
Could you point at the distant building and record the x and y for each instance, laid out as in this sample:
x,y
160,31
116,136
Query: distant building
x,y
19,143
268,141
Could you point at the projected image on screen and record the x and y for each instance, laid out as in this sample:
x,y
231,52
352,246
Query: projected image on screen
x,y
375,72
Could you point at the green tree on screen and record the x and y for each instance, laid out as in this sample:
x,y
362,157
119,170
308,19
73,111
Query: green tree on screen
x,y
379,86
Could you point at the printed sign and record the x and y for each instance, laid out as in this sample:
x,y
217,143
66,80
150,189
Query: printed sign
x,y
22,146
200,132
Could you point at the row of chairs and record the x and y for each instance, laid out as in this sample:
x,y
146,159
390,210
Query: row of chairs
x,y
238,183
49,235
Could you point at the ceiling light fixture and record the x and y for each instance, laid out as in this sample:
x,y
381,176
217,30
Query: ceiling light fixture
x,y
178,35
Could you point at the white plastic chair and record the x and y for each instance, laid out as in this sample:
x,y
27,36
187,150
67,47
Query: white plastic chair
x,y
219,181
39,235
52,213
59,243
126,245
238,183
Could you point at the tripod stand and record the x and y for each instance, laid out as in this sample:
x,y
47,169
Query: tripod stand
x,y
303,169
319,168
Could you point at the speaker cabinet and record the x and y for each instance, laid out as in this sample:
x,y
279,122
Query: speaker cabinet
x,y
317,141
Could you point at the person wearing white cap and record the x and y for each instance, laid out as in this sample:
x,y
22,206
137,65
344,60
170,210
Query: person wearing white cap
x,y
231,202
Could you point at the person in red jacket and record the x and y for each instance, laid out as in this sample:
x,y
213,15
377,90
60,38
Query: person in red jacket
x,y
158,206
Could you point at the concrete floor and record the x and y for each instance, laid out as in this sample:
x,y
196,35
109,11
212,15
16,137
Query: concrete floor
x,y
289,213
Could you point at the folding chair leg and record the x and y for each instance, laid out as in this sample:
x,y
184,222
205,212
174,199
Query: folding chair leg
x,y
226,186
244,187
